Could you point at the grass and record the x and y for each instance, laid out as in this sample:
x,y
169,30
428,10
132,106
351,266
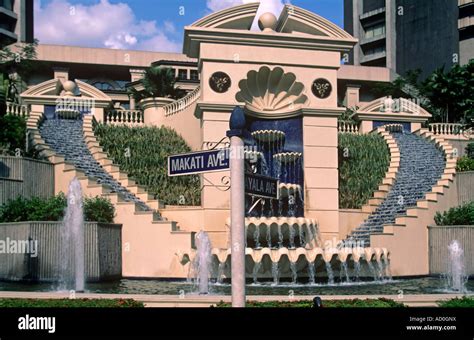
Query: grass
x,y
363,162
70,303
355,303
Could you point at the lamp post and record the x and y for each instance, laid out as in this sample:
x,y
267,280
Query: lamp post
x,y
237,205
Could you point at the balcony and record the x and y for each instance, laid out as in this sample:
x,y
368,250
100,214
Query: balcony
x,y
369,58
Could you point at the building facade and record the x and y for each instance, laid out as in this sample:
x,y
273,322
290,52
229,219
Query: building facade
x,y
391,32
16,21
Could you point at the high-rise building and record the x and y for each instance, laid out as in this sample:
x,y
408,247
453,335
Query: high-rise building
x,y
407,35
466,30
16,21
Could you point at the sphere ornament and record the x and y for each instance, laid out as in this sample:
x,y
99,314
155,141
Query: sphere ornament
x,y
69,88
267,22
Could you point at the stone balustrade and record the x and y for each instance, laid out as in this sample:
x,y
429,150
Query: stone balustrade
x,y
446,128
347,127
127,117
14,109
183,103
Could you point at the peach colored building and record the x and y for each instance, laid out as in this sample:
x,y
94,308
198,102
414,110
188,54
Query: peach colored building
x,y
290,81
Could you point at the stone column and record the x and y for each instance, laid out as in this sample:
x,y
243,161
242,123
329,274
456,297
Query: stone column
x,y
352,96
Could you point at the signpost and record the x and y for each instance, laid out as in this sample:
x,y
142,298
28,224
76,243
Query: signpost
x,y
261,186
198,162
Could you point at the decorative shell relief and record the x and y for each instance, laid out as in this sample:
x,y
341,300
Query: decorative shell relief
x,y
271,91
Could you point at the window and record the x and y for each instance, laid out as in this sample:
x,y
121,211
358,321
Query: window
x,y
103,86
194,75
374,31
182,74
7,4
375,50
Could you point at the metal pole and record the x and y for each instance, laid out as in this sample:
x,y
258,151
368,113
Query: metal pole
x,y
237,225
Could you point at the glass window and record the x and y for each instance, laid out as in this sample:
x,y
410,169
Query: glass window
x,y
375,31
194,75
103,86
182,74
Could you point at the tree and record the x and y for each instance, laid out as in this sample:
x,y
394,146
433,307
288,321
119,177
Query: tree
x,y
446,95
15,66
157,82
452,93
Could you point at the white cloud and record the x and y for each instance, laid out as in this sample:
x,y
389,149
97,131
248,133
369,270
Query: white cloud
x,y
273,6
103,24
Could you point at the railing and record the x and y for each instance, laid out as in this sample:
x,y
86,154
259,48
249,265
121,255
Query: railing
x,y
183,103
446,128
129,117
347,127
14,109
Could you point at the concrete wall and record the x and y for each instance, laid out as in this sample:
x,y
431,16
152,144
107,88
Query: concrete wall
x,y
25,177
103,258
439,239
465,185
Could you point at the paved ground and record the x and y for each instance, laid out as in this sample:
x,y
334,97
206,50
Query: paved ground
x,y
423,300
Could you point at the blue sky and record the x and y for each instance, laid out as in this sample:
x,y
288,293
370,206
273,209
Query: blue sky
x,y
155,25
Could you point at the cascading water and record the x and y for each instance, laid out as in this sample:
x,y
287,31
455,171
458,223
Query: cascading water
x,y
294,274
220,272
373,270
311,273
345,271
203,261
275,273
329,272
72,241
357,269
256,269
456,277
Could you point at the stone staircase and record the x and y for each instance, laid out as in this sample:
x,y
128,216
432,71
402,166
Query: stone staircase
x,y
421,167
65,137
146,236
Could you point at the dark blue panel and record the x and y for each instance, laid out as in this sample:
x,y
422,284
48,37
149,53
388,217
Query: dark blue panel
x,y
378,123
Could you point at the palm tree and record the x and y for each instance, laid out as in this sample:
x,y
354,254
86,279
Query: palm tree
x,y
158,82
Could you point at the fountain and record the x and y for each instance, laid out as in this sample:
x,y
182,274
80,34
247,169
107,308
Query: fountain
x,y
72,241
203,261
281,244
456,277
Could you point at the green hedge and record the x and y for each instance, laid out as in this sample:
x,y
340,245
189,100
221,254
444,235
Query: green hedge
x,y
465,164
142,153
70,303
96,209
363,162
464,302
374,303
462,215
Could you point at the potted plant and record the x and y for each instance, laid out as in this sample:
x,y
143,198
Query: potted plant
x,y
158,90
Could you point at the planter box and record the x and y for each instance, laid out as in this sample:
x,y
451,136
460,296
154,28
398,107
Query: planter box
x,y
439,239
103,255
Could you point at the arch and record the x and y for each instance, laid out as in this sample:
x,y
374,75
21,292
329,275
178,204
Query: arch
x,y
50,88
295,19
397,105
238,17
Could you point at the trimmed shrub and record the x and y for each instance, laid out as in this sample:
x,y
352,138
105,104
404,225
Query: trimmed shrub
x,y
464,302
70,303
97,209
465,164
470,150
363,162
462,215
142,152
372,303
12,134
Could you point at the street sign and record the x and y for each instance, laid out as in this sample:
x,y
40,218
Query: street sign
x,y
198,162
261,186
